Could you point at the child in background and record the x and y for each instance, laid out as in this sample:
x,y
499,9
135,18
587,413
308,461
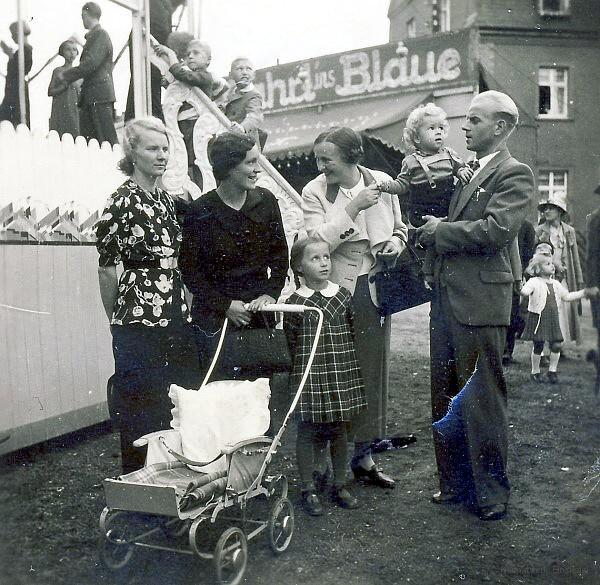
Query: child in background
x,y
547,249
242,104
427,176
545,294
334,391
194,72
64,116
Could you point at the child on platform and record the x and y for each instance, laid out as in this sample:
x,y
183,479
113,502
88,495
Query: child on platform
x,y
334,391
192,71
242,104
429,173
545,294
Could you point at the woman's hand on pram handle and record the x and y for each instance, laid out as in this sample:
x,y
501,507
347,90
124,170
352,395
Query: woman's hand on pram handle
x,y
238,314
258,303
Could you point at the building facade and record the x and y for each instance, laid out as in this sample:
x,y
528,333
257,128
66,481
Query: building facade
x,y
545,54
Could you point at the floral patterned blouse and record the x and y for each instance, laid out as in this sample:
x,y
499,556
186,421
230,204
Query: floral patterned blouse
x,y
137,228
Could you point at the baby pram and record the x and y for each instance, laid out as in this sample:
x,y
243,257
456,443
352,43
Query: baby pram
x,y
168,499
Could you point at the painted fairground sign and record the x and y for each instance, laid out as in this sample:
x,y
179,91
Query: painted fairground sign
x,y
440,61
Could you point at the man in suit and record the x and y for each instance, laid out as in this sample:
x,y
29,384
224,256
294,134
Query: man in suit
x,y
474,278
96,102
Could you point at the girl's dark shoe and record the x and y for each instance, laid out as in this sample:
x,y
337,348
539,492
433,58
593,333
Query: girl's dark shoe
x,y
343,498
311,503
552,377
537,378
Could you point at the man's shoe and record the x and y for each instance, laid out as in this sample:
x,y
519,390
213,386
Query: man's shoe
x,y
343,498
445,498
495,512
537,378
373,476
553,377
311,504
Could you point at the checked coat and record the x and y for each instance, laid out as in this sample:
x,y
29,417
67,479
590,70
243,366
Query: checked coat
x,y
334,390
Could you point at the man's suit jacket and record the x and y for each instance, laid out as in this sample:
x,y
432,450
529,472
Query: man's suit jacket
x,y
95,68
475,243
592,264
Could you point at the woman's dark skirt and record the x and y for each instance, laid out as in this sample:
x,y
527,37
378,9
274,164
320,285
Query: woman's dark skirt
x,y
147,361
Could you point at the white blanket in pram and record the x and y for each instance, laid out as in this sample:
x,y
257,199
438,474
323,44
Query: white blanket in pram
x,y
219,414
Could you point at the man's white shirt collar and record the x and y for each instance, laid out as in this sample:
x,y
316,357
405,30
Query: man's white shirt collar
x,y
484,160
329,291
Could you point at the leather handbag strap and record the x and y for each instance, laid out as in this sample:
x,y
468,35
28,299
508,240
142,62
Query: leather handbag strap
x,y
181,458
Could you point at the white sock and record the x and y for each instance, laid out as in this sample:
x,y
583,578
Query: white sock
x,y
366,461
554,357
535,363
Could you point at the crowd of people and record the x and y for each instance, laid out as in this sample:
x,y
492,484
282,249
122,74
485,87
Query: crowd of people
x,y
492,275
83,95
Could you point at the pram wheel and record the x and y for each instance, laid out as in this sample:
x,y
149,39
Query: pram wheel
x,y
114,546
281,525
231,556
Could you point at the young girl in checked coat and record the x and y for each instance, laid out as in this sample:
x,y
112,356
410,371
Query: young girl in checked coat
x,y
334,391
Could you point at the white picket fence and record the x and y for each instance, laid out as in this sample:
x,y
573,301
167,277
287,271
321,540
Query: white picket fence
x,y
46,171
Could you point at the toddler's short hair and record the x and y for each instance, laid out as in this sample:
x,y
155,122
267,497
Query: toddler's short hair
x,y
533,268
416,119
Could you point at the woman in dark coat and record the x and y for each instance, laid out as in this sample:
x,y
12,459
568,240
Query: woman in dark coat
x,y
10,108
234,256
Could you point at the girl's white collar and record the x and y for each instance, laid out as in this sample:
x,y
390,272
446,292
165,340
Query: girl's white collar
x,y
329,291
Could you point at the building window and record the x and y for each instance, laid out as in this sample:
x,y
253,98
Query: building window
x,y
553,85
552,184
411,28
444,16
554,7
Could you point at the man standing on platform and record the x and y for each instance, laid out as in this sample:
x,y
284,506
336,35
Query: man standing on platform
x,y
96,103
471,309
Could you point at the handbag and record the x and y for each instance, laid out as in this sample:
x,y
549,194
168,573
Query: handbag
x,y
259,350
403,286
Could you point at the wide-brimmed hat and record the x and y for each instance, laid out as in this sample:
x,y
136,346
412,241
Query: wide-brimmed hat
x,y
557,199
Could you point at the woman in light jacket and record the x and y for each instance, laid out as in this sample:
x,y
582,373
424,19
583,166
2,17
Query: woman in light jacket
x,y
364,229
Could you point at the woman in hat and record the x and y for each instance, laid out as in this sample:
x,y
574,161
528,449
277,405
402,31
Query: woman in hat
x,y
553,229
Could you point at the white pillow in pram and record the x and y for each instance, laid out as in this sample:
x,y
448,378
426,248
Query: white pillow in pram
x,y
219,414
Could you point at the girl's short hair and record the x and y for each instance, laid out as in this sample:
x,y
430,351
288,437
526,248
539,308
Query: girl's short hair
x,y
347,140
63,47
131,137
297,253
226,151
417,118
533,268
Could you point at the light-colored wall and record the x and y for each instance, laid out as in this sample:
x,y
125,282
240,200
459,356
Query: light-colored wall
x,y
55,343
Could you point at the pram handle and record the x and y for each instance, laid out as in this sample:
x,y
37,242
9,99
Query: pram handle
x,y
283,308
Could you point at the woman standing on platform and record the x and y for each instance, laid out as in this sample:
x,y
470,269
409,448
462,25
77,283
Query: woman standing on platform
x,y
153,344
364,229
64,116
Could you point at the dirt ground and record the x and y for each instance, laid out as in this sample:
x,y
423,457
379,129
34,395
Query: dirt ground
x,y
51,497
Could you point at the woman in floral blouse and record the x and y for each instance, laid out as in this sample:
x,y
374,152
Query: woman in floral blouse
x,y
152,341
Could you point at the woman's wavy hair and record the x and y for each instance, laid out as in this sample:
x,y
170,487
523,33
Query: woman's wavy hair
x,y
131,138
417,118
226,151
347,140
297,253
